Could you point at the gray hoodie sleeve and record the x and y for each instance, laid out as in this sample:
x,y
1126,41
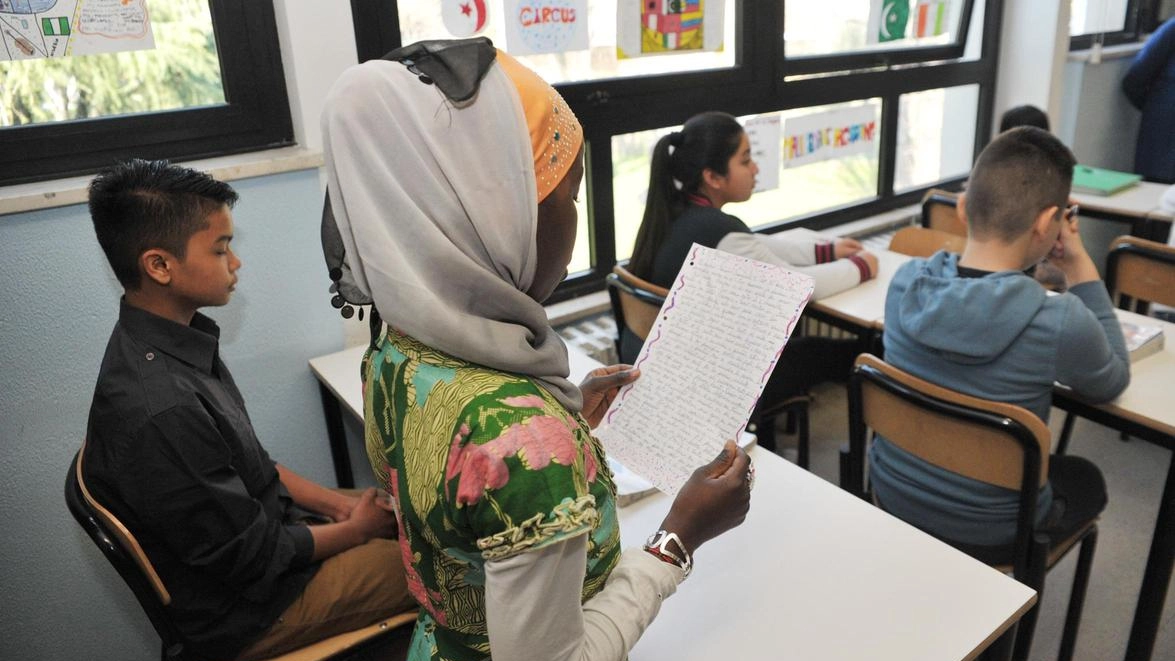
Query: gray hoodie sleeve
x,y
1091,356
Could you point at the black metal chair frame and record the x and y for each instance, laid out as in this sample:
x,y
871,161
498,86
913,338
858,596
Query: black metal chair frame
x,y
111,547
936,198
1031,549
615,286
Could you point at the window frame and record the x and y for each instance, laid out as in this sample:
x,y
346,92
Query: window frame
x,y
1130,31
255,115
880,58
757,83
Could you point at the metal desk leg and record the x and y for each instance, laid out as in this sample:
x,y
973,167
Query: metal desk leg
x,y
1156,578
339,454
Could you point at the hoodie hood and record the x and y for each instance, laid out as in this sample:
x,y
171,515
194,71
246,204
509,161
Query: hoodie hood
x,y
930,294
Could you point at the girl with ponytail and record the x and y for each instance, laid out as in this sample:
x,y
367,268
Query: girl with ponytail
x,y
694,172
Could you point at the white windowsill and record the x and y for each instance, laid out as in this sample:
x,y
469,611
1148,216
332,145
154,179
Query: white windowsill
x,y
1108,52
72,190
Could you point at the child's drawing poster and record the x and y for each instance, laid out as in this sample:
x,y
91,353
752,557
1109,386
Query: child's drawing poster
x,y
831,134
32,29
659,27
552,26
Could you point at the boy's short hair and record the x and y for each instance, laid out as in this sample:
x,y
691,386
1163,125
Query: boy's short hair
x,y
1019,174
1024,116
138,205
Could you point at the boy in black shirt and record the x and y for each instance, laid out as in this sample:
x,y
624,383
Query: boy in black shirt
x,y
170,449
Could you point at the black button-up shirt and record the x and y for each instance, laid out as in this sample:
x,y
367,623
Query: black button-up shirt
x,y
172,453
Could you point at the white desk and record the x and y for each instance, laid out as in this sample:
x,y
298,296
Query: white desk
x,y
860,310
813,573
864,305
1140,201
1145,410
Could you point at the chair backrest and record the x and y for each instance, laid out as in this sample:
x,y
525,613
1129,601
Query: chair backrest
x,y
635,302
940,212
924,241
123,551
1141,270
992,442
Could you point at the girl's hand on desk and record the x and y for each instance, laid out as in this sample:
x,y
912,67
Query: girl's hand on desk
x,y
715,499
846,247
600,388
871,261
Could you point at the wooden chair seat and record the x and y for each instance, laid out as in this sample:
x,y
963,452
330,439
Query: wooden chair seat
x,y
924,241
991,442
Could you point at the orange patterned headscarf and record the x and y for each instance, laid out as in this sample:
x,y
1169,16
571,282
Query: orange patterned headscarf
x,y
555,133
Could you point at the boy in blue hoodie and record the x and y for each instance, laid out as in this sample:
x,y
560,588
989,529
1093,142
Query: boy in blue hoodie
x,y
977,324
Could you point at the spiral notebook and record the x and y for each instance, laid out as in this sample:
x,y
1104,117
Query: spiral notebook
x,y
709,354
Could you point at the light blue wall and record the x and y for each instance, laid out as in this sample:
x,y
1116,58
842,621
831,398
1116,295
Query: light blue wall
x,y
58,302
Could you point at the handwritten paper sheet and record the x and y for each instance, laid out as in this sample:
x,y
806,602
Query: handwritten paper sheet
x,y
707,358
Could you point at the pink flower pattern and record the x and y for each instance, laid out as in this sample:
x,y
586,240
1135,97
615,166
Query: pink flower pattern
x,y
538,441
429,600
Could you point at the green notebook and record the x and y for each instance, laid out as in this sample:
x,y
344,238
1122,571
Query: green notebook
x,y
1099,181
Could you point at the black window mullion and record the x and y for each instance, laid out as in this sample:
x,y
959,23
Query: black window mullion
x,y
377,28
601,212
888,149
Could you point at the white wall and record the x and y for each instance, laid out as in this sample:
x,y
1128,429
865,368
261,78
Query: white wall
x,y
1035,40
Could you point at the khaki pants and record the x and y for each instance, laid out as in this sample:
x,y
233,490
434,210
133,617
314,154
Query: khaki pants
x,y
353,589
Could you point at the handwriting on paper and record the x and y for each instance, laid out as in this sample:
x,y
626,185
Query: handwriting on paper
x,y
704,364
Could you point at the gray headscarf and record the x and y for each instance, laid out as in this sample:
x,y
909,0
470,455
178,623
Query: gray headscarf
x,y
435,202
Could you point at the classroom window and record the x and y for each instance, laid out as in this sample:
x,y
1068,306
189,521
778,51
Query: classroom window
x,y
842,26
821,183
182,71
212,84
1107,22
817,68
936,136
423,19
1094,16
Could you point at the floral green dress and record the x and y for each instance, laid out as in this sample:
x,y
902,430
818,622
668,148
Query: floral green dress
x,y
482,465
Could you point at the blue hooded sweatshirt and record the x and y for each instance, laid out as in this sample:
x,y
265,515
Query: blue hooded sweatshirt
x,y
999,337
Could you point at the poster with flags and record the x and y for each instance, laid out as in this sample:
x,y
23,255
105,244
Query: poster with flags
x,y
33,29
659,27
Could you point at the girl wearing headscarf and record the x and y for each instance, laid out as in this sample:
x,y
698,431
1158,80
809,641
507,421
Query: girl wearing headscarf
x,y
452,173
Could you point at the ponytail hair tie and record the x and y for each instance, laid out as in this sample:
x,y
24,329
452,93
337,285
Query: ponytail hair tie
x,y
675,138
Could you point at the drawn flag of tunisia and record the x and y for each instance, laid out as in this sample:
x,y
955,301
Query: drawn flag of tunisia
x,y
463,18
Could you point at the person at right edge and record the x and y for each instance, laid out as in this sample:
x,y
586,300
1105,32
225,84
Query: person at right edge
x,y
1149,84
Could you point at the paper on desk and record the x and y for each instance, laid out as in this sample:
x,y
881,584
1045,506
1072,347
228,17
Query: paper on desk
x,y
707,358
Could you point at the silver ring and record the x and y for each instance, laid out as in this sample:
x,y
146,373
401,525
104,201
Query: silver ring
x,y
751,477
